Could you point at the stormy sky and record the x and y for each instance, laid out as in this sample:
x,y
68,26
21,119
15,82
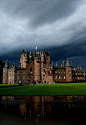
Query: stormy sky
x,y
56,25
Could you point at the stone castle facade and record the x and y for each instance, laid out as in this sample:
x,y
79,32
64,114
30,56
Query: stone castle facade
x,y
37,67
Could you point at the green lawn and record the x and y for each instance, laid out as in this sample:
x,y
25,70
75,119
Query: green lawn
x,y
50,89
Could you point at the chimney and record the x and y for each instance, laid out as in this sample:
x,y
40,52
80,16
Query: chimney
x,y
63,63
56,64
71,63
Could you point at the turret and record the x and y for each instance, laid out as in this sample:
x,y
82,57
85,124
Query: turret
x,y
49,58
37,69
30,55
23,59
69,76
56,64
5,72
26,56
6,64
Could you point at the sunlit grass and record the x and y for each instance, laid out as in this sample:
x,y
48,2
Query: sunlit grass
x,y
48,89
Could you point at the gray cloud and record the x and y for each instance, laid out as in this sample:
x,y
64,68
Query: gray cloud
x,y
56,25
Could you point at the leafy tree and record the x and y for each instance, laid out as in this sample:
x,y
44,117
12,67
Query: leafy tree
x,y
1,69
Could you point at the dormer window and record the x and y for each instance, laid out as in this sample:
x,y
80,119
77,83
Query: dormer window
x,y
55,77
30,70
23,77
23,72
64,77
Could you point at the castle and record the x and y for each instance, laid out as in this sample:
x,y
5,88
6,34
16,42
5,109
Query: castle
x,y
37,67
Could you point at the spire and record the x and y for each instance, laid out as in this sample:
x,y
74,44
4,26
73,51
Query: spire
x,y
30,52
68,63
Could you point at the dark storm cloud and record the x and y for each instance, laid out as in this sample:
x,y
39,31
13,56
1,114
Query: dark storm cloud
x,y
75,52
57,25
59,10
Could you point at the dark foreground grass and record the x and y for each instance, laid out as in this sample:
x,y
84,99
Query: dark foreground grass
x,y
50,89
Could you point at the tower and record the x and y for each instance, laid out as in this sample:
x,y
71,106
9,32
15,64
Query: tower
x,y
69,75
23,58
42,62
37,68
5,72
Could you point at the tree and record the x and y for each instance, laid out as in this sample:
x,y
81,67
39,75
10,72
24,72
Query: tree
x,y
1,69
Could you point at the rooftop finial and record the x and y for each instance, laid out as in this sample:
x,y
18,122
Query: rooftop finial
x,y
30,52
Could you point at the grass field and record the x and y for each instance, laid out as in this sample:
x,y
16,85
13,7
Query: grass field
x,y
50,89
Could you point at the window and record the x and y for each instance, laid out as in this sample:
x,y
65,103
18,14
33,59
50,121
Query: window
x,y
23,77
69,77
64,72
9,77
55,71
17,77
59,77
30,70
17,72
69,68
73,77
55,77
23,72
59,71
69,72
50,71
64,77
76,73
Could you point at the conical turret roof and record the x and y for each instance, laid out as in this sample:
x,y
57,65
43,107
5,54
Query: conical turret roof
x,y
68,63
6,64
